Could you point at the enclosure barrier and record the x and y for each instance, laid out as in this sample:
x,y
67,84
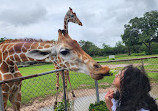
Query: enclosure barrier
x,y
39,90
37,75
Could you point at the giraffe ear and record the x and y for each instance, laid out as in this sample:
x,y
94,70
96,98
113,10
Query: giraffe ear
x,y
40,54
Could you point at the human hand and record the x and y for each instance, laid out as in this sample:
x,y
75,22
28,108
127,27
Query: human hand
x,y
109,94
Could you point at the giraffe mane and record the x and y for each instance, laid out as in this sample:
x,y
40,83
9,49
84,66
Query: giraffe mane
x,y
27,40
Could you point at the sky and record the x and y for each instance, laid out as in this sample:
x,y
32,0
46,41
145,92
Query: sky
x,y
103,20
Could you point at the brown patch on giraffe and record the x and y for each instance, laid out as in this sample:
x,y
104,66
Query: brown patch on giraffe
x,y
23,57
67,64
4,68
18,82
59,60
9,62
0,77
31,59
11,51
5,96
7,76
46,46
34,46
4,47
18,74
10,45
12,58
11,84
5,88
5,54
40,47
27,45
17,58
84,58
16,68
24,49
0,57
18,47
12,70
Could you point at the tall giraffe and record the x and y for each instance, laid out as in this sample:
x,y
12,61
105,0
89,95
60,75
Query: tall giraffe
x,y
65,52
69,17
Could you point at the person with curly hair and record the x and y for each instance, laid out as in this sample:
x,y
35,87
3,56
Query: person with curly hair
x,y
132,92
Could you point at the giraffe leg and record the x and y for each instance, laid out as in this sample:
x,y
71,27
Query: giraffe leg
x,y
57,88
68,76
65,73
15,96
5,100
5,92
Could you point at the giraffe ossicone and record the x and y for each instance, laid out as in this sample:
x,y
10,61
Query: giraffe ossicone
x,y
68,54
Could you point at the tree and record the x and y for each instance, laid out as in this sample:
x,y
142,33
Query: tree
x,y
89,48
120,48
3,39
143,30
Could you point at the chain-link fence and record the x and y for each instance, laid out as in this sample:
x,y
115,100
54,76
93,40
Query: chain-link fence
x,y
39,90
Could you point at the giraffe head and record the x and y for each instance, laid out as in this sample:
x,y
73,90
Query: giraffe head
x,y
72,17
68,54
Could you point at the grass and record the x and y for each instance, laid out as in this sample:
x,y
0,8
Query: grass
x,y
43,86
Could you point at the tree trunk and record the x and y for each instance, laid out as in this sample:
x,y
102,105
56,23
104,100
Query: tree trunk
x,y
149,48
129,51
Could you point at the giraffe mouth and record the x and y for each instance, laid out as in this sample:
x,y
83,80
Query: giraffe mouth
x,y
100,73
80,24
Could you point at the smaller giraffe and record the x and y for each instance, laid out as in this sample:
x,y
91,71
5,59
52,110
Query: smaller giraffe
x,y
69,17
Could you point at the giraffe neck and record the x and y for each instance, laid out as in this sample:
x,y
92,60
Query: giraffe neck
x,y
66,20
16,52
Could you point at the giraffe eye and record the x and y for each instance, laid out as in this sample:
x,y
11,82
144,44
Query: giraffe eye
x,y
65,51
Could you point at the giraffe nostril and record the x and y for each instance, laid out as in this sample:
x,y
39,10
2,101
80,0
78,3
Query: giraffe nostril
x,y
97,66
80,23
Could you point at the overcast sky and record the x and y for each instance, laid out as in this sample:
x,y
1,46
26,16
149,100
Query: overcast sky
x,y
103,20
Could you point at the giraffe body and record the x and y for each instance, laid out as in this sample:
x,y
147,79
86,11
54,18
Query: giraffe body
x,y
13,51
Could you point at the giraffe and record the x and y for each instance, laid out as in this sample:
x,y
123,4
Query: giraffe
x,y
70,16
65,52
12,51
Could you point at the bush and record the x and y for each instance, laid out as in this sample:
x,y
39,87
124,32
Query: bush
x,y
101,106
61,106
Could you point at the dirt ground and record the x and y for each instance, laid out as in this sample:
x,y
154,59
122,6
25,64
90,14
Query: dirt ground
x,y
49,101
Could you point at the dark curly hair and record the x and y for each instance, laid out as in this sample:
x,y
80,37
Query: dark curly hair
x,y
134,91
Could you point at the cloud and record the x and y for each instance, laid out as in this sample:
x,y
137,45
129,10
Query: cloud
x,y
23,16
103,22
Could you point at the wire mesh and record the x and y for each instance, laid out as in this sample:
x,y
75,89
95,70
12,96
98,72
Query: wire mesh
x,y
39,93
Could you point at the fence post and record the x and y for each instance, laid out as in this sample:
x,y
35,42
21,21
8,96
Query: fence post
x,y
97,92
64,90
1,99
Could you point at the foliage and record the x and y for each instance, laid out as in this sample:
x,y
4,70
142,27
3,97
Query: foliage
x,y
143,30
101,106
61,106
89,48
3,39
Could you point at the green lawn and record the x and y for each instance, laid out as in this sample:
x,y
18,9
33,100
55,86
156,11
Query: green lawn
x,y
42,86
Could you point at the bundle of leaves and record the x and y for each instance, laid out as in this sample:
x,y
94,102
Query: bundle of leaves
x,y
61,106
101,106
